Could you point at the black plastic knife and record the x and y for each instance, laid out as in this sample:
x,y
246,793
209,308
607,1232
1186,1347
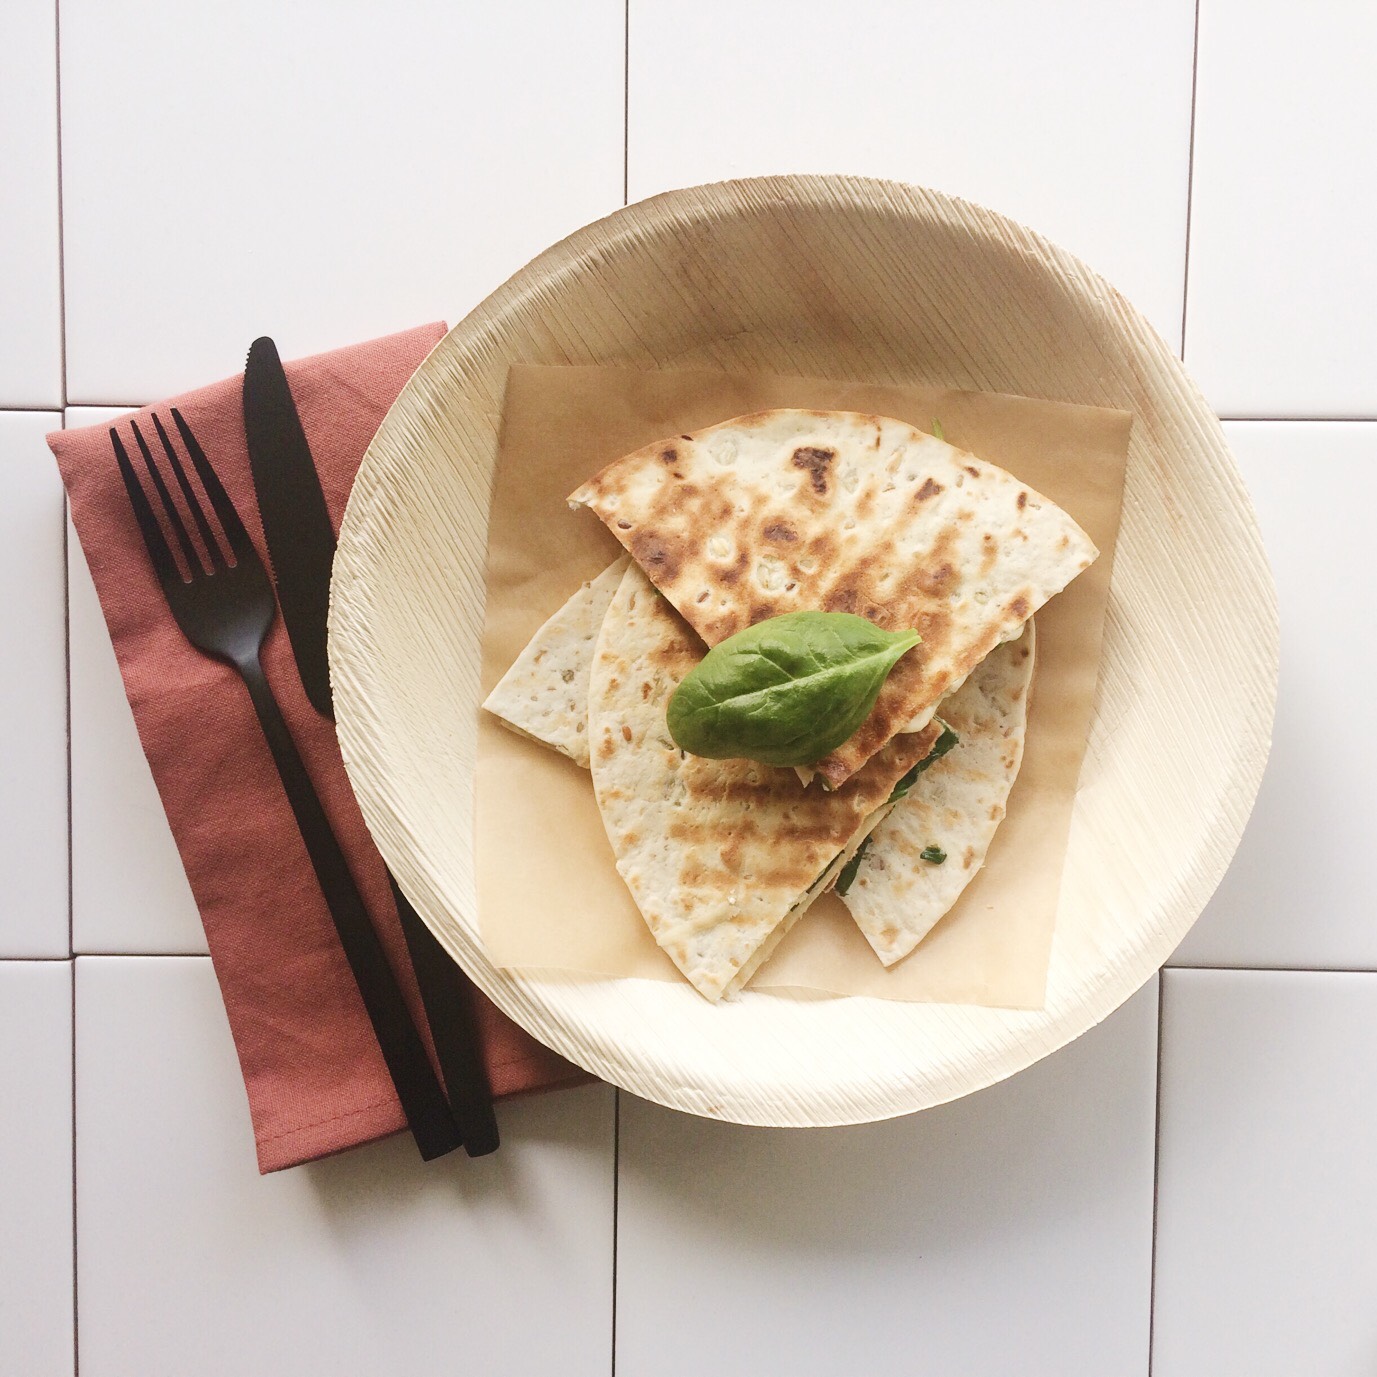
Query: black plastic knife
x,y
296,524
301,549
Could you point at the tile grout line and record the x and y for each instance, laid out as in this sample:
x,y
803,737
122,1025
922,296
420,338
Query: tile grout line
x,y
67,709
1156,1167
1190,179
616,1201
1302,420
616,1093
61,236
626,102
67,654
139,955
1277,970
76,1300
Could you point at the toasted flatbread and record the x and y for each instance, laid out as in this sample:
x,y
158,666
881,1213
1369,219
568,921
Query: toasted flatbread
x,y
545,693
841,511
898,895
721,856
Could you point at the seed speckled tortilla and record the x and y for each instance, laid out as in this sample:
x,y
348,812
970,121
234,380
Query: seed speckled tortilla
x,y
847,512
897,897
545,692
721,856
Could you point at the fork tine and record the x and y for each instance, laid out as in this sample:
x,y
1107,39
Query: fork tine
x,y
193,503
234,530
158,550
174,517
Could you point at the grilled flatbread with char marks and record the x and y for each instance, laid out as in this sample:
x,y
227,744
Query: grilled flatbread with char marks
x,y
901,890
840,511
721,856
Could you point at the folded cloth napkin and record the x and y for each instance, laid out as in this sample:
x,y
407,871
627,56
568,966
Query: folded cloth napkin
x,y
315,1077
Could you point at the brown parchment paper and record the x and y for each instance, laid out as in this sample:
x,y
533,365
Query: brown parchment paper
x,y
549,896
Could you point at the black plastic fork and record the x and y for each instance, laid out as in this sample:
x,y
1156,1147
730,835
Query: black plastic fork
x,y
224,606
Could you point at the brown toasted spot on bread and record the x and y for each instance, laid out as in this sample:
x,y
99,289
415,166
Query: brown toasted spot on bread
x,y
659,555
989,552
938,581
815,462
733,572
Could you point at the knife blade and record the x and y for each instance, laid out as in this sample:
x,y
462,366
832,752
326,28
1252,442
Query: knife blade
x,y
301,548
296,524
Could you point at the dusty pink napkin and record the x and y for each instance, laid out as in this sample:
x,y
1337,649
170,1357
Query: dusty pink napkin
x,y
316,1080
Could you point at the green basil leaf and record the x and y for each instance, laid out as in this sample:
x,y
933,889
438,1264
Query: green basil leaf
x,y
787,690
933,854
940,747
848,872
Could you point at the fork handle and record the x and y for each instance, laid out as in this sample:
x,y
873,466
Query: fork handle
x,y
418,1088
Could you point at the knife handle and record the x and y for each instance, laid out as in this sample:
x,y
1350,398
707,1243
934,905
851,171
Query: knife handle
x,y
448,997
418,1089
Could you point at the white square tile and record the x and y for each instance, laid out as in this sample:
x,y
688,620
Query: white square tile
x,y
1300,891
33,691
1010,1232
1071,116
322,175
1282,308
31,297
372,1262
1266,1195
129,891
36,1168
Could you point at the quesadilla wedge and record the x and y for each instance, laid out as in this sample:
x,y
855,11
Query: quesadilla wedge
x,y
930,846
840,511
721,856
544,694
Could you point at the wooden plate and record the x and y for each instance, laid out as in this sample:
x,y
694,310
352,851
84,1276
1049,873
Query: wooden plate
x,y
857,279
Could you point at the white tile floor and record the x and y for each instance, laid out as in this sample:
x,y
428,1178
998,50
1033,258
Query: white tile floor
x,y
360,169
36,1292
1280,319
30,237
1266,1194
33,690
371,1262
341,171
